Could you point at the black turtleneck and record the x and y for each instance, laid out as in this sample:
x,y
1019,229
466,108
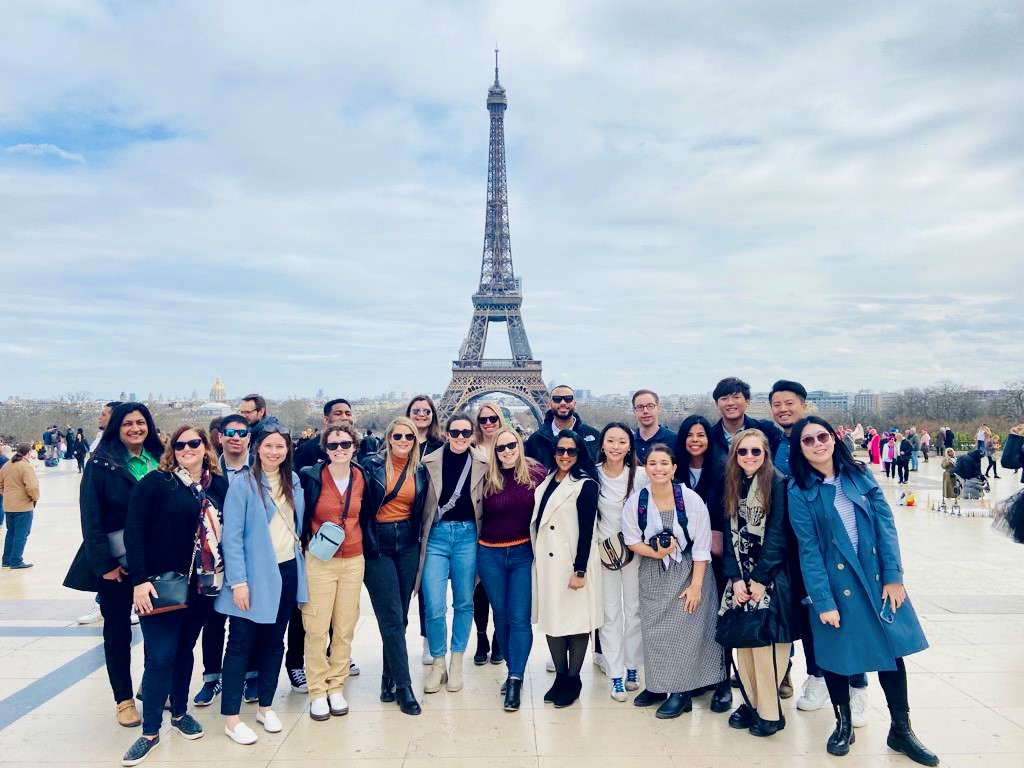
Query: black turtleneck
x,y
452,465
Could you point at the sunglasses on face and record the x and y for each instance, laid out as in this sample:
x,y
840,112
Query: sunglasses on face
x,y
421,411
487,419
179,445
505,447
407,437
343,444
460,433
571,452
821,437
751,451
231,432
562,398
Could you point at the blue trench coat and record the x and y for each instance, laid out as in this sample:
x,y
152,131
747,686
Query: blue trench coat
x,y
838,578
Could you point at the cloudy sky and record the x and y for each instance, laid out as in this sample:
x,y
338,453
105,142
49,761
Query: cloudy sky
x,y
291,195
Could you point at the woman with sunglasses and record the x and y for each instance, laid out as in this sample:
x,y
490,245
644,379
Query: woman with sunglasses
x,y
667,524
333,492
566,587
265,575
128,450
423,412
174,525
850,558
391,518
504,554
701,470
451,519
757,555
621,642
489,419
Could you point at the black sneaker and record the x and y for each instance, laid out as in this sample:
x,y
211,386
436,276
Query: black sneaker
x,y
139,750
187,726
210,690
19,566
297,677
251,690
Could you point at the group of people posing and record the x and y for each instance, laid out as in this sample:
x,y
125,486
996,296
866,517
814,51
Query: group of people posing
x,y
683,554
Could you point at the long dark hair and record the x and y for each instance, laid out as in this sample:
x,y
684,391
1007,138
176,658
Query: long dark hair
x,y
113,450
584,468
712,461
842,460
287,486
629,459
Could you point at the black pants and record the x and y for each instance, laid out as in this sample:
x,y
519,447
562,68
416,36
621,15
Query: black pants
x,y
169,640
269,638
567,652
389,579
116,599
214,631
80,458
903,470
481,608
992,467
894,684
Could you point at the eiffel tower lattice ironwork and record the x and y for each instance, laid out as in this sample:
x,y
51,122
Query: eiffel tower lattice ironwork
x,y
499,298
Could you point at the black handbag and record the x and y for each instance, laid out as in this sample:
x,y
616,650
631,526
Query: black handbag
x,y
172,587
746,627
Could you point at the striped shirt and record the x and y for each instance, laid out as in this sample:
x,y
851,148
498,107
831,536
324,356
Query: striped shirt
x,y
845,510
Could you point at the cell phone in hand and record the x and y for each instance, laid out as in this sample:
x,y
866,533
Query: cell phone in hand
x,y
888,613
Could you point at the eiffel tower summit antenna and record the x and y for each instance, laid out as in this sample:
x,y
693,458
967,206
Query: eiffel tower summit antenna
x,y
499,298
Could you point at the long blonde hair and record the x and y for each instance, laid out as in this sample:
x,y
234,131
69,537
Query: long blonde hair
x,y
478,434
734,475
414,454
494,482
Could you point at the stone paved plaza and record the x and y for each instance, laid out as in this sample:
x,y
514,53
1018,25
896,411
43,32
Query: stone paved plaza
x,y
966,691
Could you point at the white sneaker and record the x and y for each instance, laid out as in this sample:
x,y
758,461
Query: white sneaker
x,y
814,696
353,669
271,722
338,704
91,616
600,663
135,617
318,709
549,665
426,658
859,707
242,734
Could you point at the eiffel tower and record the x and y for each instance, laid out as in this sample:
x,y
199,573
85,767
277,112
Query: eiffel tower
x,y
499,297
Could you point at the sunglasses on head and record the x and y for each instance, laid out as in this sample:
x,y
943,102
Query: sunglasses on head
x,y
179,445
420,411
343,444
460,433
751,451
487,419
560,451
232,432
821,437
562,398
504,448
399,436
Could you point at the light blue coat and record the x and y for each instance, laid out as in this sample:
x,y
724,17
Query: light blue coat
x,y
249,553
838,578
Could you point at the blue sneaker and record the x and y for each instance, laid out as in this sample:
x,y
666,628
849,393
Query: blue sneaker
x,y
251,690
211,689
187,726
618,690
139,750
632,680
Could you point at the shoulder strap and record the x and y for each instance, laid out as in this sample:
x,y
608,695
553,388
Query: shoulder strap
x,y
677,493
390,496
450,505
641,510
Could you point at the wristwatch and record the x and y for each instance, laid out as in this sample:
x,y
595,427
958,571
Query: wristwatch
x,y
581,574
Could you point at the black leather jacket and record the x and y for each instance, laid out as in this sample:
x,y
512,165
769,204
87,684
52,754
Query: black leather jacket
x,y
374,473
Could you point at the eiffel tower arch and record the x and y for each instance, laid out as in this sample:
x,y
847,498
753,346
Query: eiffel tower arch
x,y
499,298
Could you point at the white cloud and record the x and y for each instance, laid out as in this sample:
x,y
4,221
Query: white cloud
x,y
45,150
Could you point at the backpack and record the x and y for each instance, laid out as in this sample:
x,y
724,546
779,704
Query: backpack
x,y
677,493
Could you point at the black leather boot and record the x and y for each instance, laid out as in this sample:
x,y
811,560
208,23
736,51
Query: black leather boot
x,y
674,706
762,727
843,736
406,700
903,739
513,694
483,647
387,689
721,699
497,657
742,718
555,690
570,692
648,699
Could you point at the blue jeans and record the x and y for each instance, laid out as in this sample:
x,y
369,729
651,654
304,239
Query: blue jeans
x,y
915,457
451,554
506,573
19,524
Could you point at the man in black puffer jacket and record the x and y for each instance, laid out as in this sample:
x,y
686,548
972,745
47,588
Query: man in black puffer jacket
x,y
561,415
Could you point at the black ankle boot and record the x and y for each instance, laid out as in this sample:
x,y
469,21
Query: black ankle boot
x,y
569,693
721,699
482,649
555,690
648,698
497,657
903,739
387,689
513,694
762,727
843,736
742,718
406,700
675,705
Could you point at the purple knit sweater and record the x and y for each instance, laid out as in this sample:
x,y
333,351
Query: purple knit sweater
x,y
506,515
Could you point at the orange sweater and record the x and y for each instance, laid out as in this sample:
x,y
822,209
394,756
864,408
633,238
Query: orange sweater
x,y
399,508
330,506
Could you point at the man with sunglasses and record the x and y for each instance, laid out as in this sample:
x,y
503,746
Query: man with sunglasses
x,y
561,415
336,412
647,411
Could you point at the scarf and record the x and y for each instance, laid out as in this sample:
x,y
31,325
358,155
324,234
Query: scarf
x,y
208,564
747,530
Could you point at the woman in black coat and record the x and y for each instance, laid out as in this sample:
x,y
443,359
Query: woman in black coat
x,y
80,449
127,452
757,566
173,525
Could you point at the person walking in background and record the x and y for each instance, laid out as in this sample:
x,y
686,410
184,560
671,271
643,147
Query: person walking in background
x,y
948,462
926,443
874,446
889,456
981,437
19,489
948,438
79,450
991,449
915,445
904,452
